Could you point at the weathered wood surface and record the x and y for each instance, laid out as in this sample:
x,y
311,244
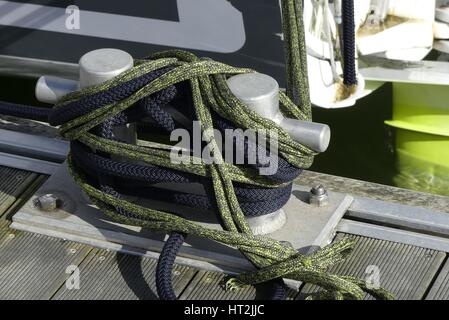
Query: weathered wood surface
x,y
376,191
34,266
13,183
109,275
440,288
207,285
24,197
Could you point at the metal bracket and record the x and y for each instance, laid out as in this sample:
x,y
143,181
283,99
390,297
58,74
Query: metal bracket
x,y
31,152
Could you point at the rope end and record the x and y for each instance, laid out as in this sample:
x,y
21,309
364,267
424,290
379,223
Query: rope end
x,y
344,91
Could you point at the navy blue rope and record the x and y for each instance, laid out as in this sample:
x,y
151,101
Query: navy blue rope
x,y
349,68
133,179
24,111
164,268
90,103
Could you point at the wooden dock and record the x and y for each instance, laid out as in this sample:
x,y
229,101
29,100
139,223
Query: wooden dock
x,y
36,267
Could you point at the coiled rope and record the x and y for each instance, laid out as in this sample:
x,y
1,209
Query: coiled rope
x,y
87,117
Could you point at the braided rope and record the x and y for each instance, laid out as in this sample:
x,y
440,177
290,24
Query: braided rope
x,y
165,264
349,49
209,92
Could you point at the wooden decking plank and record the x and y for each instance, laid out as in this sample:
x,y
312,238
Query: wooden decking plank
x,y
207,286
24,197
4,228
110,275
13,182
440,288
34,266
406,271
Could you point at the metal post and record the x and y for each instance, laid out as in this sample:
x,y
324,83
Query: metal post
x,y
260,93
101,65
95,67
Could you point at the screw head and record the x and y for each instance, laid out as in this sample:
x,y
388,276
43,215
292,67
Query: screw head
x,y
373,21
47,202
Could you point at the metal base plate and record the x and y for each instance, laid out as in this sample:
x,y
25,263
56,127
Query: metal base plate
x,y
307,226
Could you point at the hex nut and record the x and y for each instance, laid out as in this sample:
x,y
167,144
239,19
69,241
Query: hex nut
x,y
47,202
318,196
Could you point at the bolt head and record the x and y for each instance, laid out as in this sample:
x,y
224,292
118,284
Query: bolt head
x,y
47,202
373,21
318,190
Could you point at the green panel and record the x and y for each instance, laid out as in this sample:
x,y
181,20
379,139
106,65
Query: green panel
x,y
422,108
406,271
108,275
